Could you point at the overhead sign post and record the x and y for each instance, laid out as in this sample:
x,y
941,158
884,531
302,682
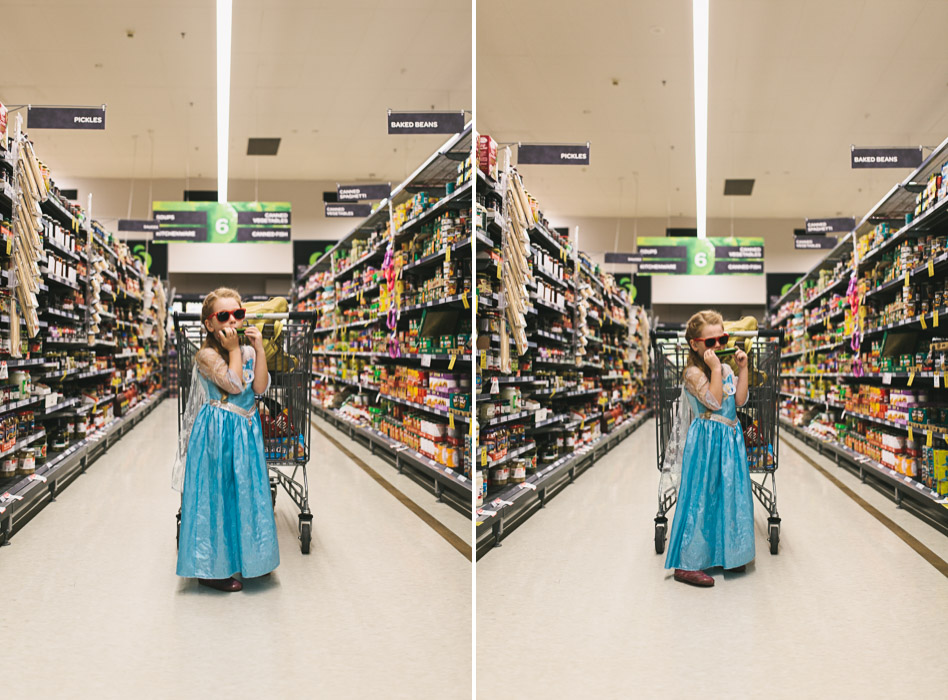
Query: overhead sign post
x,y
425,122
542,154
66,118
227,222
347,211
357,193
818,226
886,157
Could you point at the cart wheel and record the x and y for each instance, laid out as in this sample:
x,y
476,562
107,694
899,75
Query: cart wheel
x,y
306,534
774,538
177,537
660,538
273,495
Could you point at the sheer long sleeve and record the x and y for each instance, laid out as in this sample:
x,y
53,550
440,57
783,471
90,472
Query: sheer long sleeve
x,y
699,386
212,366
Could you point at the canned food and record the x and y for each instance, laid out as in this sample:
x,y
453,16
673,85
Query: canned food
x,y
27,462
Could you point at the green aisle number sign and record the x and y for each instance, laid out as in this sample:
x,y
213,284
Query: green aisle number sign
x,y
229,222
701,256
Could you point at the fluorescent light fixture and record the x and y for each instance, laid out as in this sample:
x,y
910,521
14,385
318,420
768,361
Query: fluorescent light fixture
x,y
224,18
701,29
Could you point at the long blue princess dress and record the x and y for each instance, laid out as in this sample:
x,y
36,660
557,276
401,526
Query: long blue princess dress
x,y
714,518
227,523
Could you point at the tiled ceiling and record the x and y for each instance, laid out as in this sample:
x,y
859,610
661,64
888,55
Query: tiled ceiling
x,y
792,86
318,75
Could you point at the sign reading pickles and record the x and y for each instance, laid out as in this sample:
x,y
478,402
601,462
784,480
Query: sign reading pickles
x,y
701,256
231,222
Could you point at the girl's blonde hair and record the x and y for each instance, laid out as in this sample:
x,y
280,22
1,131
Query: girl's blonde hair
x,y
207,310
696,323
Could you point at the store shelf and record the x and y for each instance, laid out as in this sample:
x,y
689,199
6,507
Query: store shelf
x,y
510,507
24,442
441,480
22,497
436,258
458,417
510,456
865,466
61,281
17,405
456,300
442,205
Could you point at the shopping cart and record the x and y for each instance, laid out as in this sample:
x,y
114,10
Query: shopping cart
x,y
758,419
284,409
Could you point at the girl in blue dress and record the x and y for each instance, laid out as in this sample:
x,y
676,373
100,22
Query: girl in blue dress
x,y
714,519
227,523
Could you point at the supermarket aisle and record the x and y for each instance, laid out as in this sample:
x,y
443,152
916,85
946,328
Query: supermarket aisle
x,y
89,586
845,610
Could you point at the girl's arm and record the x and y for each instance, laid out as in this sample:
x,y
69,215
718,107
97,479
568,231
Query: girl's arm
x,y
261,375
741,358
717,376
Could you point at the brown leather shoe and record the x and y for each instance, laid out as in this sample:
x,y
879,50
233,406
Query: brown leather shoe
x,y
737,569
694,578
228,585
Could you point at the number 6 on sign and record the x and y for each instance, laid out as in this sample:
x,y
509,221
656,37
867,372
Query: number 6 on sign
x,y
222,227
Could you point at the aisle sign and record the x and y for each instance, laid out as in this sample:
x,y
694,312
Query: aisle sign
x,y
355,193
138,225
886,157
66,118
541,154
844,225
348,211
814,242
623,258
230,222
154,256
307,252
701,256
425,122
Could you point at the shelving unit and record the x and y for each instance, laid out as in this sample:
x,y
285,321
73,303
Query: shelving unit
x,y
84,362
392,356
556,398
864,376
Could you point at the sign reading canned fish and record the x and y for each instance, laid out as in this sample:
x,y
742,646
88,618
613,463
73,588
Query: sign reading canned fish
x,y
886,157
66,118
355,193
425,122
541,154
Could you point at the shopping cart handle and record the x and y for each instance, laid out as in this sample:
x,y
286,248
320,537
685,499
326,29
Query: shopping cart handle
x,y
292,316
762,333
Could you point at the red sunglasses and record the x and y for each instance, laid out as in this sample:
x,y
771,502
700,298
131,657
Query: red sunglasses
x,y
711,342
238,315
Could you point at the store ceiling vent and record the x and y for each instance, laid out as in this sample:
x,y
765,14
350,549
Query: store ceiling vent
x,y
71,195
738,187
263,147
681,232
200,195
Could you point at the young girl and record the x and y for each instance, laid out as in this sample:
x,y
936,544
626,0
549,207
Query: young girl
x,y
227,523
714,520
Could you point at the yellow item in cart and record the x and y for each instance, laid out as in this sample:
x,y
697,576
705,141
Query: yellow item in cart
x,y
277,360
748,323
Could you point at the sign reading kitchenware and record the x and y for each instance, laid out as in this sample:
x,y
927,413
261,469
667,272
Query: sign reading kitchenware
x,y
66,118
425,122
886,157
355,193
701,256
540,154
348,211
830,225
230,222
